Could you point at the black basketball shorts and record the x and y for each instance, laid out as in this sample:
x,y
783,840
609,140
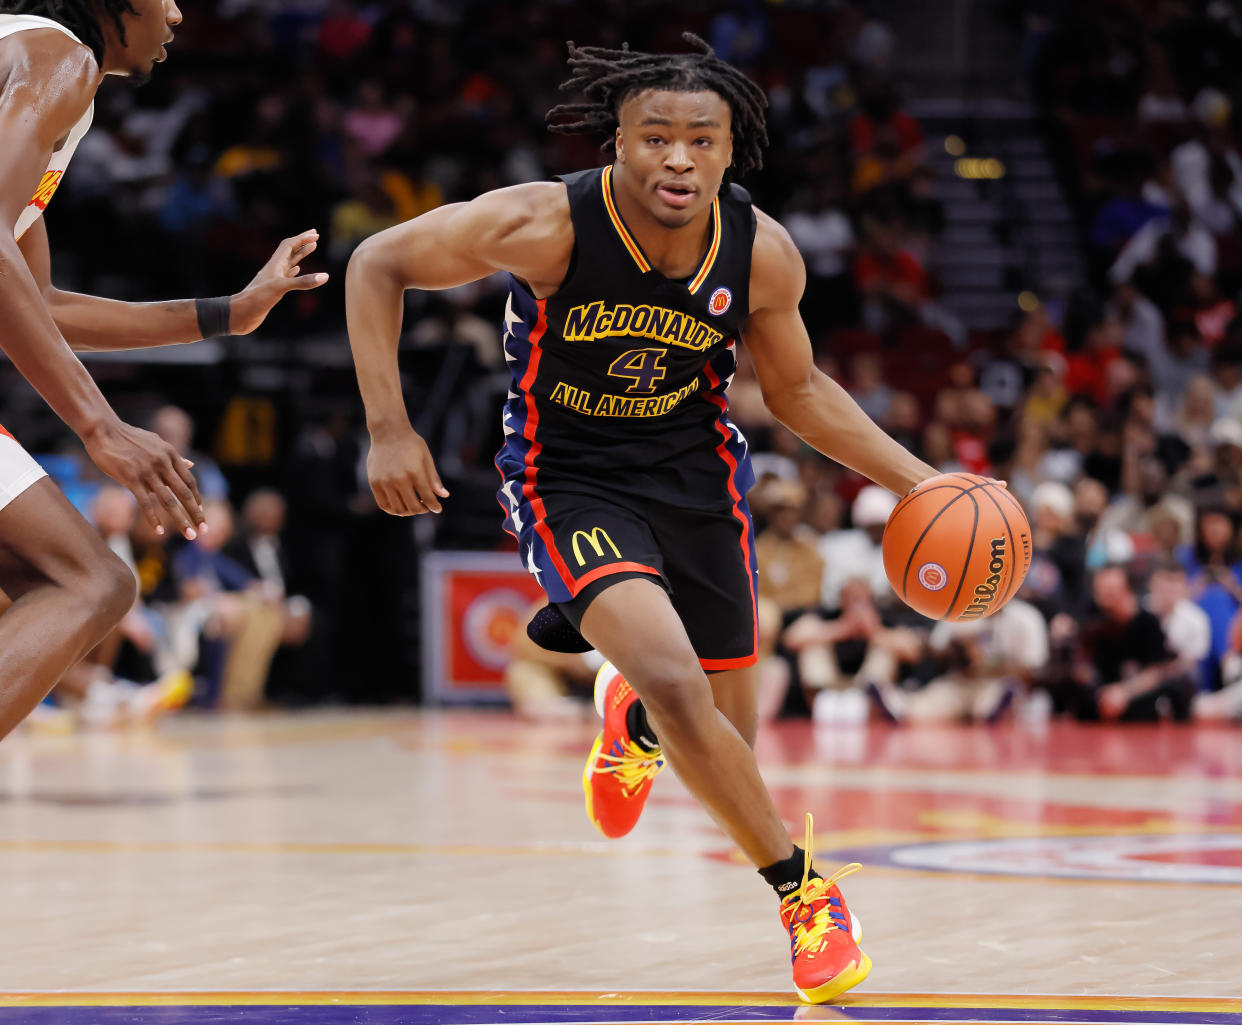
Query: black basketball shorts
x,y
577,544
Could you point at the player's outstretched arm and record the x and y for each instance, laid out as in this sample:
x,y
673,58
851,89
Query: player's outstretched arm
x,y
42,98
524,230
90,323
802,397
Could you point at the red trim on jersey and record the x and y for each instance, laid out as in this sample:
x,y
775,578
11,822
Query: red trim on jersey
x,y
608,570
717,664
722,450
6,433
528,432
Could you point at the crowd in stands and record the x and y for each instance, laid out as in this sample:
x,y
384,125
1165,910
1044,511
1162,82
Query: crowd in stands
x,y
1116,417
211,616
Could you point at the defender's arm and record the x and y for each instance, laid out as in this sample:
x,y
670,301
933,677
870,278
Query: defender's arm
x,y
90,323
48,89
49,83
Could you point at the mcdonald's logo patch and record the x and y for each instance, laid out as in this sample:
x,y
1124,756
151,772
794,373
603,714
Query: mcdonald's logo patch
x,y
720,301
47,188
593,538
933,576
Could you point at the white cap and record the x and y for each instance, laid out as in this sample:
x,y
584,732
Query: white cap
x,y
1227,431
872,506
1054,496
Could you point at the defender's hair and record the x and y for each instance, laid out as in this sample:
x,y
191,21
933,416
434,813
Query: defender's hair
x,y
610,77
84,18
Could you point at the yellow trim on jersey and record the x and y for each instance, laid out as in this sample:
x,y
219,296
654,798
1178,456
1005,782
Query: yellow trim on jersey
x,y
710,259
626,238
636,252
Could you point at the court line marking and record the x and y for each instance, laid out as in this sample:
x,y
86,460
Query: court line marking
x,y
597,849
390,725
100,847
593,998
846,1018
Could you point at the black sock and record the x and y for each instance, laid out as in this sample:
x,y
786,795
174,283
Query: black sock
x,y
640,730
786,876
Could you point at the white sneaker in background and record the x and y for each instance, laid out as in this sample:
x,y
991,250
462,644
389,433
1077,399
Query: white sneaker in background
x,y
826,709
852,707
1036,709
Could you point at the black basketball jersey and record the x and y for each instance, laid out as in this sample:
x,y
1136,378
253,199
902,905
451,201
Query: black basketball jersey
x,y
618,379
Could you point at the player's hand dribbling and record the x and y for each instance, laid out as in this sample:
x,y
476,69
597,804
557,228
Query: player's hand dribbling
x,y
279,276
403,475
154,471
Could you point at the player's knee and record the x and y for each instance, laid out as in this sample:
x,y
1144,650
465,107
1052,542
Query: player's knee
x,y
674,690
110,591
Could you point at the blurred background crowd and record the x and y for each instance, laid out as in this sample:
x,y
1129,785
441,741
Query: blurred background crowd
x,y
1104,383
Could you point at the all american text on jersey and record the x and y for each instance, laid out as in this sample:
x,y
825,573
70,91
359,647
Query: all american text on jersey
x,y
620,405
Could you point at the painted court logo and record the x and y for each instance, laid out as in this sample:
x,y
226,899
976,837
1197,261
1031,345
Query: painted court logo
x,y
933,576
1154,858
720,301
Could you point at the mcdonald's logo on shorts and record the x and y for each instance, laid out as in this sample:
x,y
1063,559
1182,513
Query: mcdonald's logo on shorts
x,y
593,537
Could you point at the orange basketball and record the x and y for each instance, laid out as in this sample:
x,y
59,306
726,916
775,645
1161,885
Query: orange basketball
x,y
957,547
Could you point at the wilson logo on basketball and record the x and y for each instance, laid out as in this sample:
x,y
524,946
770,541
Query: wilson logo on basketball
x,y
985,592
720,301
933,576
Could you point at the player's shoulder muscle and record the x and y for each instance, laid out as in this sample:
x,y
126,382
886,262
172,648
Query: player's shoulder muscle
x,y
520,227
777,272
47,81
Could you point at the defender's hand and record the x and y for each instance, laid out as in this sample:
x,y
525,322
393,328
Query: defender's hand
x,y
154,471
279,276
403,476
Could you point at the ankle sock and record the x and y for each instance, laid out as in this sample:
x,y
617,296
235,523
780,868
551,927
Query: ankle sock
x,y
640,730
786,876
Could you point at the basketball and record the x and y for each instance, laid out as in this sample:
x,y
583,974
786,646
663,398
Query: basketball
x,y
957,547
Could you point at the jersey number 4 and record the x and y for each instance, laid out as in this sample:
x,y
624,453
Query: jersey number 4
x,y
644,367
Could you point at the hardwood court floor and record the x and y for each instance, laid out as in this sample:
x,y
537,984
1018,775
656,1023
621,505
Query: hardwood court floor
x,y
437,867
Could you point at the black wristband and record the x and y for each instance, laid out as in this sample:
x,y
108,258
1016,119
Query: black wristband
x,y
213,316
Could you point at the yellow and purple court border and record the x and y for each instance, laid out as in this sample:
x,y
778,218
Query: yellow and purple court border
x,y
581,1008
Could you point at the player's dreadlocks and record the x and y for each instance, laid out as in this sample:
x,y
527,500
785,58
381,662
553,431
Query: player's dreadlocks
x,y
610,77
81,17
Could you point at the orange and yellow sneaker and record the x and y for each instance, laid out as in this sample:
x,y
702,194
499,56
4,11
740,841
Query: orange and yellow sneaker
x,y
823,935
619,771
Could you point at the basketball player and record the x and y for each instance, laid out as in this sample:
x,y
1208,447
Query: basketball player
x,y
61,589
623,478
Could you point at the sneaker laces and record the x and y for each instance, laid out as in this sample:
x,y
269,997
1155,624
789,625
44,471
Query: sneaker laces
x,y
634,767
809,933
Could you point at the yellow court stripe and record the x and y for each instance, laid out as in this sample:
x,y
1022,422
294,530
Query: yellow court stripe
x,y
626,238
710,259
713,998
